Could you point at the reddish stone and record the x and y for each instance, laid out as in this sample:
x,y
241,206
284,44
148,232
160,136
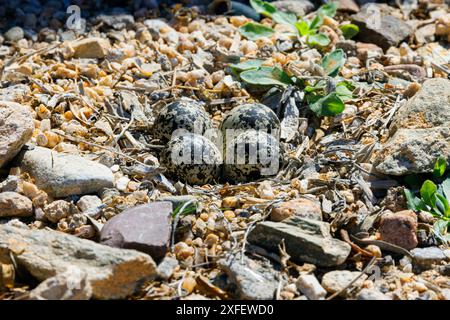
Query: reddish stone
x,y
301,207
400,228
145,228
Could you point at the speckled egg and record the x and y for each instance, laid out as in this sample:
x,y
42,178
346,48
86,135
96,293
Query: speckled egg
x,y
251,116
192,158
250,156
185,114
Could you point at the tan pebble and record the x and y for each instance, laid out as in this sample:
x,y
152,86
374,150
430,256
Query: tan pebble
x,y
230,202
375,250
40,200
42,112
229,215
204,216
287,295
189,284
183,251
65,73
348,195
418,286
133,186
198,242
211,240
41,139
53,139
238,21
30,190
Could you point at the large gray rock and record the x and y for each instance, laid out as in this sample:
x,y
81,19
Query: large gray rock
x,y
144,228
429,107
253,280
62,175
306,241
16,128
112,273
379,27
420,132
413,151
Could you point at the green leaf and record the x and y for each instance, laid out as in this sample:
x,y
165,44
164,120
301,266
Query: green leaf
x,y
270,11
349,30
333,61
428,193
330,105
319,39
254,31
266,76
302,27
413,202
445,205
191,208
284,17
316,22
246,65
343,92
263,7
439,167
328,9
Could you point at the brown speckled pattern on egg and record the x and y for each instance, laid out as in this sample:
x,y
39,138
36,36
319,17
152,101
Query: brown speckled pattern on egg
x,y
250,140
206,170
251,116
182,114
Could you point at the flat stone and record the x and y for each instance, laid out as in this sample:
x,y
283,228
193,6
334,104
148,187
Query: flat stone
x,y
335,281
16,128
426,258
112,273
379,27
253,280
144,228
62,175
399,228
310,287
93,48
13,204
303,208
306,241
413,151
